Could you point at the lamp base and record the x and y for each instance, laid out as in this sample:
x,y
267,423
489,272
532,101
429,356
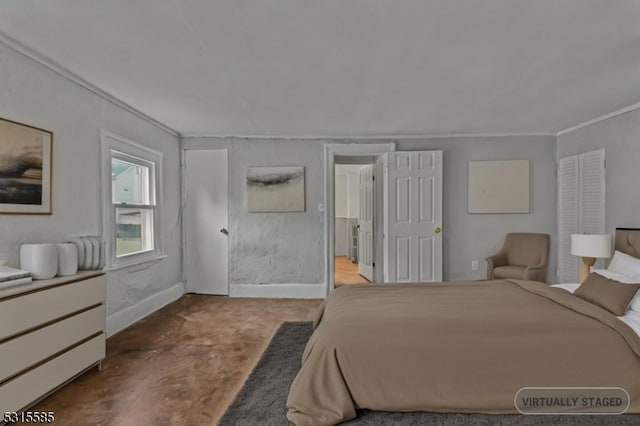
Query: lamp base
x,y
586,268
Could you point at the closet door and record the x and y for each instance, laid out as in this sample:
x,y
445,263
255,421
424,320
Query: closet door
x,y
581,208
591,211
568,203
206,218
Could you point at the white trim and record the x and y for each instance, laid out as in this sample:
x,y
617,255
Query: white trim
x,y
64,72
338,137
137,261
120,320
330,152
130,143
183,204
598,119
288,291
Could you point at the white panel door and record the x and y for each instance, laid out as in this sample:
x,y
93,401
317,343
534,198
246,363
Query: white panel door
x,y
365,223
414,217
206,221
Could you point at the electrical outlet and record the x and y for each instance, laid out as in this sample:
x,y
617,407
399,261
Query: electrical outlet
x,y
475,265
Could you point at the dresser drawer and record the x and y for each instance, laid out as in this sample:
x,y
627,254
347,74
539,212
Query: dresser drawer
x,y
30,310
23,390
22,352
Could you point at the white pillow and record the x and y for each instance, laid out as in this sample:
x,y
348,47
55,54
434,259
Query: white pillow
x,y
625,265
634,305
616,276
570,287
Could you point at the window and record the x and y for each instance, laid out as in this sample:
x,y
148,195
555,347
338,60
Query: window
x,y
132,205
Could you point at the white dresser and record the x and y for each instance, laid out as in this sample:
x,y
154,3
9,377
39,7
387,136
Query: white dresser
x,y
50,332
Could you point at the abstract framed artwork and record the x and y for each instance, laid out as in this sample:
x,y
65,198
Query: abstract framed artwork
x,y
275,189
25,168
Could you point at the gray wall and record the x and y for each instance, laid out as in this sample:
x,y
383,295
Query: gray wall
x,y
476,236
273,248
289,248
620,137
341,209
31,93
342,232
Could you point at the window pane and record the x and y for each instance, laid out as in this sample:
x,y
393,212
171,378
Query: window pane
x,y
130,182
134,231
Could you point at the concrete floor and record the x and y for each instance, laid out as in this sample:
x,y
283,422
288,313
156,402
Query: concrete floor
x,y
182,365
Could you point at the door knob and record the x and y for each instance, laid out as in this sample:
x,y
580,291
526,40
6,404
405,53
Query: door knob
x,y
437,230
224,231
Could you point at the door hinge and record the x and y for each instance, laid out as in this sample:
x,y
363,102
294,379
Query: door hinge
x,y
373,177
373,264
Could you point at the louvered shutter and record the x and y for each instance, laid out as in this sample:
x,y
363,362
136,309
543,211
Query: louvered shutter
x,y
581,208
592,189
592,193
568,202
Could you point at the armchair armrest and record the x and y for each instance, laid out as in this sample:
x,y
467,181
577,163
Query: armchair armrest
x,y
536,273
498,259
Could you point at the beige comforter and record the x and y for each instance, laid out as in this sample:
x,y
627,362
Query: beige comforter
x,y
456,347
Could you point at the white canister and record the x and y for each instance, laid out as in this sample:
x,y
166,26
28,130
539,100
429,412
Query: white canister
x,y
41,260
67,259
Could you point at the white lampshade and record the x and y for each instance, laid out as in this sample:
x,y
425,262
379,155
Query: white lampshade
x,y
598,245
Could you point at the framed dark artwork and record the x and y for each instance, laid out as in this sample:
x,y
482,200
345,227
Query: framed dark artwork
x,y
275,189
25,168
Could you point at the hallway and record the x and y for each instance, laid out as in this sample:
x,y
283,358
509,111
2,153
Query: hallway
x,y
346,272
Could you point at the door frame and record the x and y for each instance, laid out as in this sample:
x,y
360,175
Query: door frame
x,y
183,204
330,152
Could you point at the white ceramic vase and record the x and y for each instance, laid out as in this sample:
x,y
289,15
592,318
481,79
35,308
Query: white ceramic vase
x,y
67,259
41,260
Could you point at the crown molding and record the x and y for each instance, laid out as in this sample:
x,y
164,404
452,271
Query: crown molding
x,y
372,137
64,72
598,119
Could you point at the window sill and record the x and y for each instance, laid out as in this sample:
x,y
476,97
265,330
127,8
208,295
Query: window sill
x,y
136,262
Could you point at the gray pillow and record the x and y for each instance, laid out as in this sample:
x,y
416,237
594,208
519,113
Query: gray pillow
x,y
609,294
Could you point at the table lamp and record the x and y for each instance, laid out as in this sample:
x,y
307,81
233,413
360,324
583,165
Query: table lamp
x,y
590,247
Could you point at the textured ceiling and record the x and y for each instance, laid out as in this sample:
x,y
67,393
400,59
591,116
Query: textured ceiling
x,y
346,67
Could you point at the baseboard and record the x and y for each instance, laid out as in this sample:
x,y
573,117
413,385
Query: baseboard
x,y
120,320
289,291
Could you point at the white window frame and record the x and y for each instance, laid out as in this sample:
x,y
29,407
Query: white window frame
x,y
119,147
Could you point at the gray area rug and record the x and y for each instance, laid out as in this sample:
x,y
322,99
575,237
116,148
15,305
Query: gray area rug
x,y
262,400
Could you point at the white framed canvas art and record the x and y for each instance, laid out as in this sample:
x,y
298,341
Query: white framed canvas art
x,y
499,186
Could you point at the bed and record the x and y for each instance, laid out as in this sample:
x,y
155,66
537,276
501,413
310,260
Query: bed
x,y
463,347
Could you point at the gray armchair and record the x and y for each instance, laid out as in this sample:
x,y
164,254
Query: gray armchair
x,y
522,256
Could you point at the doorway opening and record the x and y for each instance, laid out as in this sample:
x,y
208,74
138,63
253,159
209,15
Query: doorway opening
x,y
354,240
354,154
406,246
